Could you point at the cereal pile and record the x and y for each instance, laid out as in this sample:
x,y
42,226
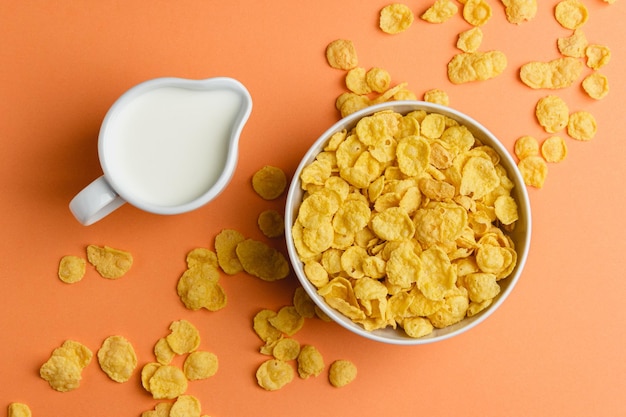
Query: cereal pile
x,y
404,221
472,65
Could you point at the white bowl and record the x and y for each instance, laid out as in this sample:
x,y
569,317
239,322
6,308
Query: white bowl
x,y
520,236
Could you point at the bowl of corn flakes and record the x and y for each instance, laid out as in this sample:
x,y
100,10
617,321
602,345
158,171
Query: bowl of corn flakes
x,y
407,222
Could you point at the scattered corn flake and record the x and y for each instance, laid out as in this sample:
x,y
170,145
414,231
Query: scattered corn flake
x,y
476,12
63,370
287,320
200,256
117,358
470,40
440,11
552,113
225,245
437,96
356,82
582,126
378,79
167,382
198,287
271,223
404,94
161,409
341,54
163,352
263,328
184,337
310,362
341,372
274,374
286,349
555,74
269,182
147,371
597,56
200,365
518,11
261,260
186,406
574,45
526,146
109,262
596,85
19,410
534,171
353,104
71,269
571,14
554,149
476,66
395,18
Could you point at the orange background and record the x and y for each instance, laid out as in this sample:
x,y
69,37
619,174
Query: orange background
x,y
556,346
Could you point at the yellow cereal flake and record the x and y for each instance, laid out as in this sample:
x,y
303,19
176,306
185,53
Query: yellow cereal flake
x,y
286,349
271,223
476,12
519,11
71,269
476,66
198,288
440,11
161,409
417,327
356,82
109,262
310,362
201,256
505,209
287,320
147,371
526,146
437,96
395,18
596,85
19,410
225,245
571,14
341,54
554,149
117,358
555,74
263,328
597,56
261,260
200,365
274,374
167,382
341,372
574,45
163,352
378,79
186,406
582,126
552,113
184,337
470,40
353,104
534,171
303,303
63,370
269,182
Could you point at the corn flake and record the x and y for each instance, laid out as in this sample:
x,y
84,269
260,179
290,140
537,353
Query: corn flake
x,y
554,149
71,269
582,126
110,263
597,56
184,337
225,245
341,54
555,74
286,349
596,85
274,374
200,256
167,382
470,40
571,14
505,209
185,406
269,182
310,362
534,171
161,409
378,79
63,370
117,358
437,96
287,320
552,113
263,328
476,66
261,260
476,12
198,288
341,372
395,18
200,365
518,11
271,223
19,410
440,11
526,146
163,352
574,45
356,82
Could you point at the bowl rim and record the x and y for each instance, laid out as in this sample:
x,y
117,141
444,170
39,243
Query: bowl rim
x,y
405,106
